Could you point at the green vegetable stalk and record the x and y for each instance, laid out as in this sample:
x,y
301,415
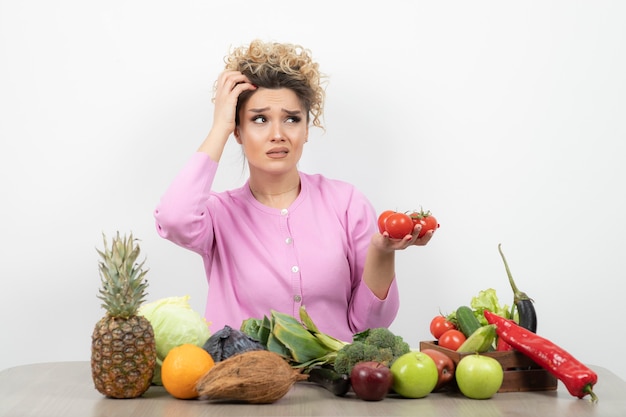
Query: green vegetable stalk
x,y
300,342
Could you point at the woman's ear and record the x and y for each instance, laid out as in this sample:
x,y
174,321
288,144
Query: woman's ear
x,y
236,134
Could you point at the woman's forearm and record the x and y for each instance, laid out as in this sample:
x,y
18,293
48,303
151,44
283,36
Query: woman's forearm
x,y
379,270
213,145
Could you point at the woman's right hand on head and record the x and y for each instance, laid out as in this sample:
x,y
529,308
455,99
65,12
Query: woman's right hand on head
x,y
229,85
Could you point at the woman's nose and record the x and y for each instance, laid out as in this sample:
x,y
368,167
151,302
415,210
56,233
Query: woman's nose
x,y
277,133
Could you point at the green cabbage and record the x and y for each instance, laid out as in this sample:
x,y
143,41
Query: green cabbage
x,y
174,323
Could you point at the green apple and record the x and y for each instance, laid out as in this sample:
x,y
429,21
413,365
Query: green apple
x,y
414,375
479,376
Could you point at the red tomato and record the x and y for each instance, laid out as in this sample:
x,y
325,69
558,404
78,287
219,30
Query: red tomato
x,y
381,219
439,325
452,339
427,220
398,225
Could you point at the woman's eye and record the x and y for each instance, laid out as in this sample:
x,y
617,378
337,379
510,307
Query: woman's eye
x,y
258,119
293,119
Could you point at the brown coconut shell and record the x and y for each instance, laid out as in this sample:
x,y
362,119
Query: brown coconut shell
x,y
255,377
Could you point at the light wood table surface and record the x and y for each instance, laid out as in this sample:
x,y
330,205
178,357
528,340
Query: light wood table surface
x,y
65,389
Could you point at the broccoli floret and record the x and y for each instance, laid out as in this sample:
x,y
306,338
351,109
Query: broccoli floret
x,y
384,338
378,344
356,352
381,337
400,347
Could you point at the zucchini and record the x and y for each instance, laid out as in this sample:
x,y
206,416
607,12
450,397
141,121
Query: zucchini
x,y
467,322
333,381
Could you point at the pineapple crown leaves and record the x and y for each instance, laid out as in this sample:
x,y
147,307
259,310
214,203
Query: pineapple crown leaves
x,y
123,285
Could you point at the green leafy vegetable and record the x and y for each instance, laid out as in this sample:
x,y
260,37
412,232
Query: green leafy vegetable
x,y
485,300
298,341
174,323
488,300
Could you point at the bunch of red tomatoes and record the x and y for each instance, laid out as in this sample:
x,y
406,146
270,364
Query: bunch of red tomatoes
x,y
398,224
446,333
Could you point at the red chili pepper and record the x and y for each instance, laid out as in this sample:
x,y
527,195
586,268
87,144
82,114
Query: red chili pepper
x,y
503,346
577,378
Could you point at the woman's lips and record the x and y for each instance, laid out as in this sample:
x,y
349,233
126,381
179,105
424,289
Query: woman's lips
x,y
277,153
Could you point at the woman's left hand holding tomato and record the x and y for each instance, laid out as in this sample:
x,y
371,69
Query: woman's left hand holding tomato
x,y
384,242
398,230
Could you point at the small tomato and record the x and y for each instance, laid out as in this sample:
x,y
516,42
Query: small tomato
x,y
382,218
452,339
439,325
426,220
398,225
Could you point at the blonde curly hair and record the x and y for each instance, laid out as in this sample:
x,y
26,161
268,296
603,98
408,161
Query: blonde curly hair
x,y
281,65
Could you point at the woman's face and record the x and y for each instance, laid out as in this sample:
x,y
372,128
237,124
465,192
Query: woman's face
x,y
272,129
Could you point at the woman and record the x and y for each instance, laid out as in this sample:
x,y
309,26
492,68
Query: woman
x,y
286,238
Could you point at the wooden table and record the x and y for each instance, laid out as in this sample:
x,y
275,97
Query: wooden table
x,y
65,389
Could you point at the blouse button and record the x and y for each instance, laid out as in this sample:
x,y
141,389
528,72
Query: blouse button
x,y
288,241
295,269
284,212
297,298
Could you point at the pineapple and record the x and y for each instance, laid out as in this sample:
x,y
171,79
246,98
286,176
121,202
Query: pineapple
x,y
123,351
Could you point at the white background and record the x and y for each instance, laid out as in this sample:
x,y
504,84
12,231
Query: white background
x,y
505,119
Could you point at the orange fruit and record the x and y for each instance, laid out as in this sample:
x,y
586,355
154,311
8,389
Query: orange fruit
x,y
182,368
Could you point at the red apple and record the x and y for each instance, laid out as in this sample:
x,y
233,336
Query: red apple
x,y
371,381
445,367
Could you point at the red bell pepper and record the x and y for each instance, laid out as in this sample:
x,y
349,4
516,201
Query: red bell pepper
x,y
577,378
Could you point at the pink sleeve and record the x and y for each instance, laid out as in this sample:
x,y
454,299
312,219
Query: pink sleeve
x,y
182,214
366,310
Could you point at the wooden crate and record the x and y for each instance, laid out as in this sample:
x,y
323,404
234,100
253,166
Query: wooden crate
x,y
520,372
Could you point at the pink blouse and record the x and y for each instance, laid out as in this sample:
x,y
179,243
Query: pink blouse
x,y
259,258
